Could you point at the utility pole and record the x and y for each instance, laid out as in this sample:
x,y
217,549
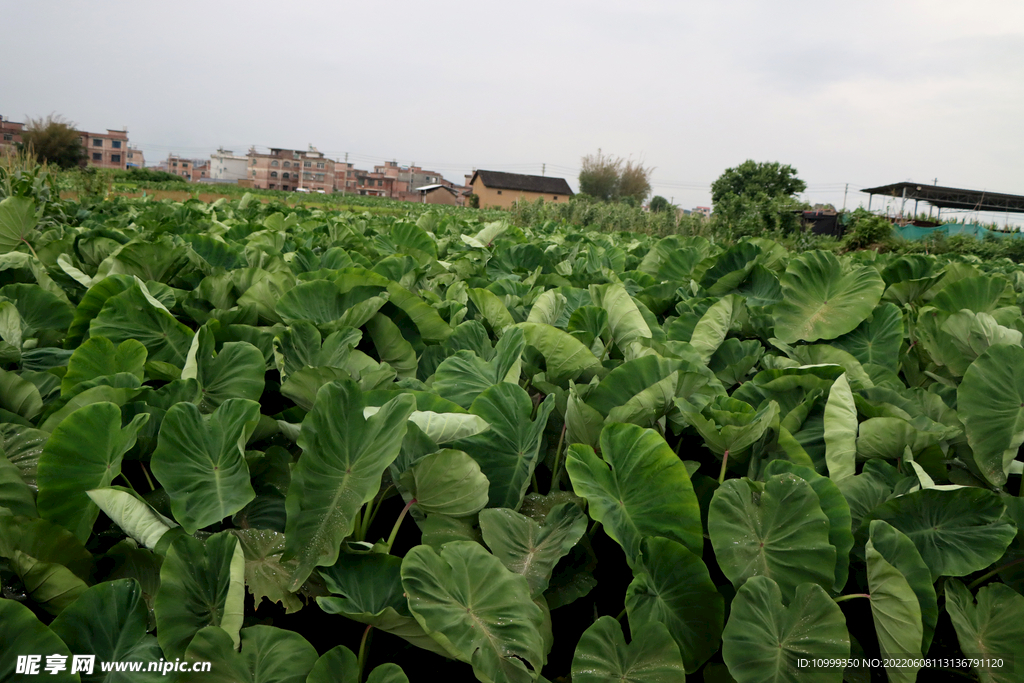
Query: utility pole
x,y
844,196
344,187
543,169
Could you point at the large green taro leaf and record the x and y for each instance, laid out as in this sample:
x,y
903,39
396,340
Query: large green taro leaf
x,y
370,590
84,452
269,655
509,450
775,529
201,584
392,347
134,314
92,303
992,629
896,614
461,378
50,585
17,221
900,552
19,396
44,541
835,507
266,574
447,482
200,460
765,639
822,299
957,532
478,610
565,357
877,339
602,655
343,458
625,322
672,585
39,309
98,357
109,621
326,305
15,495
638,487
990,401
236,372
525,547
22,633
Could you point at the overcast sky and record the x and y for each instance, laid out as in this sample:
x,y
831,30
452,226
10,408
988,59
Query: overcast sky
x,y
866,93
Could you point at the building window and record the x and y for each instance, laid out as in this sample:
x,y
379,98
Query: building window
x,y
555,198
116,144
96,156
97,143
285,174
307,164
115,158
274,162
286,187
287,164
8,136
499,191
380,183
273,174
253,162
254,174
319,164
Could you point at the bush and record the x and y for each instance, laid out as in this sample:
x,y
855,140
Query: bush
x,y
867,230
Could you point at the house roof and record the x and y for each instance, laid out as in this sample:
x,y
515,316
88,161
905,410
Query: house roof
x,y
430,188
522,183
953,197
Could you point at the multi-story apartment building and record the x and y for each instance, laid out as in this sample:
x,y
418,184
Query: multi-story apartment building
x,y
10,133
345,177
179,166
290,170
226,165
135,157
106,150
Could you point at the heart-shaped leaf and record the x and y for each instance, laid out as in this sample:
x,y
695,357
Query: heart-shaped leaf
x,y
23,634
673,586
638,488
897,616
83,453
765,639
991,629
478,610
602,655
528,548
201,584
447,482
343,458
775,529
200,460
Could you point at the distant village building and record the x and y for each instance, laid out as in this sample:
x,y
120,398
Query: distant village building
x,y
439,194
290,170
135,158
702,210
501,190
225,165
106,150
179,166
10,133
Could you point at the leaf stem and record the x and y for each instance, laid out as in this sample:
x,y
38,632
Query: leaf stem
x,y
988,575
149,480
851,596
398,524
621,614
725,461
556,471
364,646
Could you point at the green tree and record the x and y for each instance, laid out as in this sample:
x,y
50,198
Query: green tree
x,y
599,176
659,204
751,178
612,179
53,140
758,197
